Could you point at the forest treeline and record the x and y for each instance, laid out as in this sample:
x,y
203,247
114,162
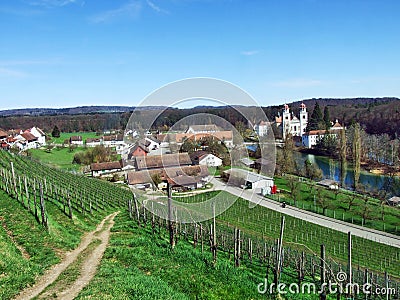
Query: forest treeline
x,y
376,116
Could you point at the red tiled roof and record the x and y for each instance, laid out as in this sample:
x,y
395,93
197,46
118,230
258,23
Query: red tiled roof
x,y
105,166
93,140
319,132
3,134
114,137
29,136
162,161
193,172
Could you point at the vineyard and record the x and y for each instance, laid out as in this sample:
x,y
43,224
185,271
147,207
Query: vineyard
x,y
255,232
34,184
43,212
230,254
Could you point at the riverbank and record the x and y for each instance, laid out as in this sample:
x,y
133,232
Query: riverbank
x,y
366,166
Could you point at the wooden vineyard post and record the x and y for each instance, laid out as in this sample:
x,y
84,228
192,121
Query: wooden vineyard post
x,y
250,250
237,248
214,236
136,209
69,206
170,221
153,218
279,259
27,194
322,295
42,206
34,201
349,266
201,238
14,180
130,208
195,235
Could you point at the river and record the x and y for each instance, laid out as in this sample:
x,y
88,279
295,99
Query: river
x,y
369,180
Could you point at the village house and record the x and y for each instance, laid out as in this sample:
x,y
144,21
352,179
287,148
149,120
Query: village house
x,y
76,140
152,143
99,169
261,128
259,183
203,129
41,136
181,178
3,135
115,141
162,161
26,140
394,201
206,159
137,150
93,142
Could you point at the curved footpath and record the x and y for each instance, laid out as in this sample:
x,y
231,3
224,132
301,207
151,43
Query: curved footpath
x,y
356,230
88,268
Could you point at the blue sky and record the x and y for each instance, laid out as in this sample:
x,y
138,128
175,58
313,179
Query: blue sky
x,y
60,53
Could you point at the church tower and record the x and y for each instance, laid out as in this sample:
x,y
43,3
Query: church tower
x,y
285,121
303,118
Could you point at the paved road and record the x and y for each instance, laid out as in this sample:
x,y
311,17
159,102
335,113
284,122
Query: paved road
x,y
370,234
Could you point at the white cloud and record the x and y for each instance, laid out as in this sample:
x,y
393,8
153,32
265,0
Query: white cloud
x,y
130,10
297,83
250,52
156,8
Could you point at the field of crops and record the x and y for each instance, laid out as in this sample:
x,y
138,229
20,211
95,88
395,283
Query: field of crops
x,y
262,223
47,211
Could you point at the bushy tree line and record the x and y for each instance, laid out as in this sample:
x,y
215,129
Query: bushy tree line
x,y
94,155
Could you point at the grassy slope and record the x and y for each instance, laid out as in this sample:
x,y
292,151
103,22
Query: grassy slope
x,y
16,272
57,157
140,265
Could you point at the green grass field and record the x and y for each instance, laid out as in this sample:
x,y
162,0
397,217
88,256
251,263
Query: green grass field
x,y
384,218
57,158
66,135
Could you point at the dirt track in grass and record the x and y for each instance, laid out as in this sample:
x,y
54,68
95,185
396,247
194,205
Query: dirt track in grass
x,y
88,267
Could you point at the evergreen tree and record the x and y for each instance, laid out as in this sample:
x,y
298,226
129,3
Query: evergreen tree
x,y
327,118
316,119
56,132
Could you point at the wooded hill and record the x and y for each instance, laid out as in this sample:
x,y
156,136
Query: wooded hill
x,y
376,115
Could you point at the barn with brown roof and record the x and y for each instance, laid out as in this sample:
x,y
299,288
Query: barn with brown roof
x,y
103,168
162,161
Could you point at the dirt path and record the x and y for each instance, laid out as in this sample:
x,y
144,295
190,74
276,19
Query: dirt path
x,y
89,265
